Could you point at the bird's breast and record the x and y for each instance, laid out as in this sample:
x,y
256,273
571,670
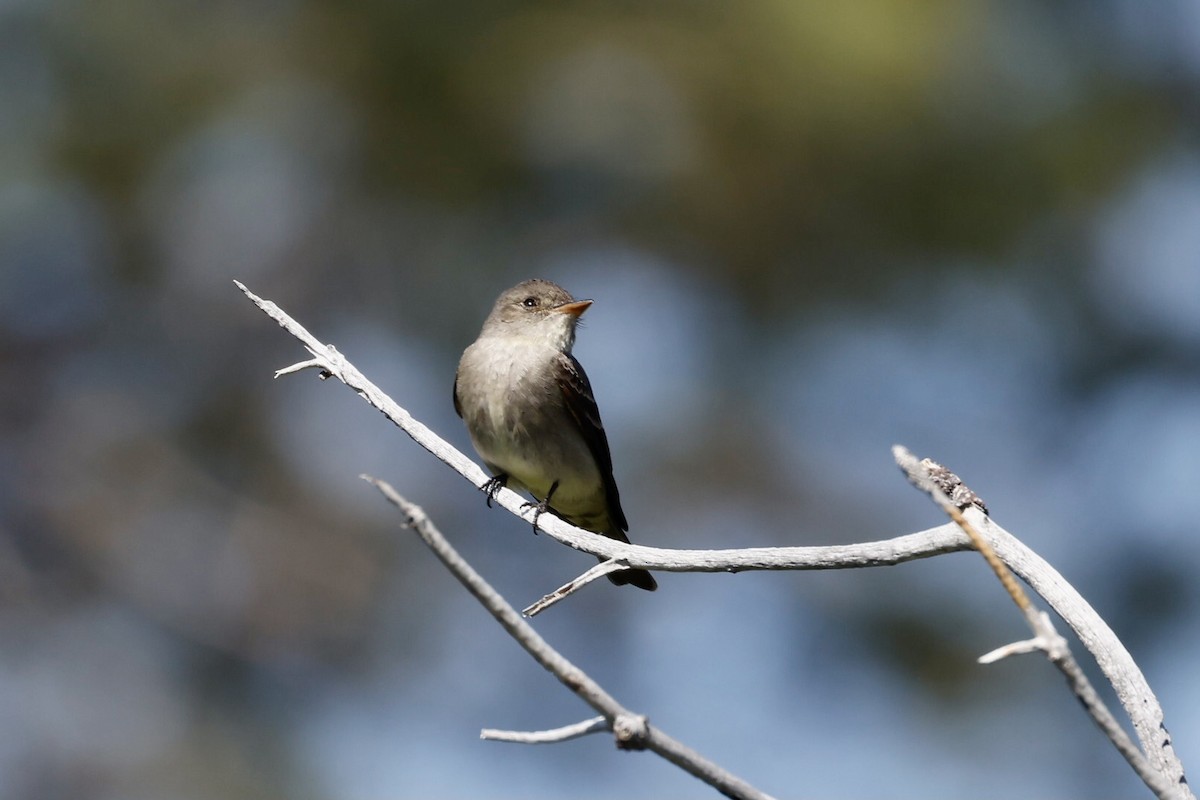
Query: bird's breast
x,y
518,420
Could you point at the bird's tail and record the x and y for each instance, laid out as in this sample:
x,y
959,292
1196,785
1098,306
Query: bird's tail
x,y
640,578
635,577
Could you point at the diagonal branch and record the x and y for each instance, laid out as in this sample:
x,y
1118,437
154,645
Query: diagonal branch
x,y
632,731
574,585
331,363
930,477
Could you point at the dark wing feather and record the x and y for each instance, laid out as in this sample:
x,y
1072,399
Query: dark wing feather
x,y
457,405
577,391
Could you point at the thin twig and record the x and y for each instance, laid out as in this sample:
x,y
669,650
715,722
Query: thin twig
x,y
563,734
1098,638
632,731
1045,637
570,587
1012,649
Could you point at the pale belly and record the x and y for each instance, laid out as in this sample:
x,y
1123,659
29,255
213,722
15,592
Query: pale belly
x,y
539,446
535,460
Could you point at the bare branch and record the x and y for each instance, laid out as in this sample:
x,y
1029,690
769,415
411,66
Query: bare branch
x,y
936,541
1119,668
566,590
632,731
930,477
563,734
314,363
1114,660
329,360
1013,649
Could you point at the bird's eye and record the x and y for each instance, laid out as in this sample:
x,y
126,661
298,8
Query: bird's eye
x,y
530,302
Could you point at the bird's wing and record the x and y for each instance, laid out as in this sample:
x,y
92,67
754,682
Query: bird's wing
x,y
457,404
577,391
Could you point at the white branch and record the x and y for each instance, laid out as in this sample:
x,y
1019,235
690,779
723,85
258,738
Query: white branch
x,y
1114,660
1053,645
1118,666
936,541
563,734
566,590
1164,775
631,731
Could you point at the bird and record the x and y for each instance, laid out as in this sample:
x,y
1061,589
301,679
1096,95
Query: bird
x,y
530,412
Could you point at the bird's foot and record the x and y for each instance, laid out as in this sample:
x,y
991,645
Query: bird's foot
x,y
493,485
540,507
538,510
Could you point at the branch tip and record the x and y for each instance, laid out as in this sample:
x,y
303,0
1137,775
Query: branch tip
x,y
570,587
1012,649
563,734
312,363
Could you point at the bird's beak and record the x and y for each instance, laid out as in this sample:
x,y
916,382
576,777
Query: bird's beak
x,y
574,309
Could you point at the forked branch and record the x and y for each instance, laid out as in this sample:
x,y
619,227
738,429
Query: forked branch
x,y
939,483
1156,762
632,731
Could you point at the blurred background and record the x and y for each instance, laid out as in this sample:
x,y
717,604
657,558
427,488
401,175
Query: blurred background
x,y
810,230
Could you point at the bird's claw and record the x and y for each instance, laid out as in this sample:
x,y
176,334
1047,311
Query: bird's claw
x,y
541,506
493,485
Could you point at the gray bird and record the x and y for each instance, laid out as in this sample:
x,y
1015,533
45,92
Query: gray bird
x,y
529,409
